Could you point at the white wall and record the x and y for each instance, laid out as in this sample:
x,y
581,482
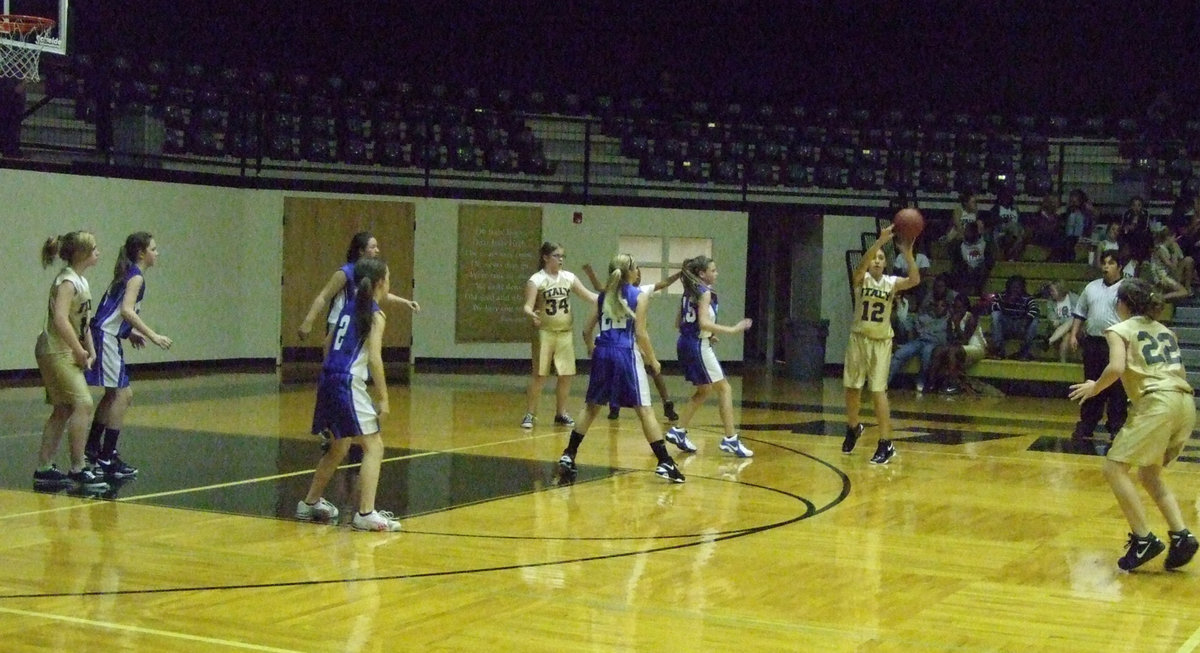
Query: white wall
x,y
217,279
840,233
215,290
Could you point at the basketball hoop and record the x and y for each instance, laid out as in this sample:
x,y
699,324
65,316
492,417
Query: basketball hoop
x,y
19,37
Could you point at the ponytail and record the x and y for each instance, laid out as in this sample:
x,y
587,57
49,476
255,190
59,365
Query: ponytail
x,y
367,272
1140,297
690,276
67,247
619,270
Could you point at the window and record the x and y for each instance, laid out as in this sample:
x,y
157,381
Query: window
x,y
661,257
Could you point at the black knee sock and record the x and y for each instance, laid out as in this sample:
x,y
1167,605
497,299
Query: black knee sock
x,y
93,441
573,445
110,442
660,451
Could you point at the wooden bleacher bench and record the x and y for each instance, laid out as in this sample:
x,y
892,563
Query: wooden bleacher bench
x,y
1014,370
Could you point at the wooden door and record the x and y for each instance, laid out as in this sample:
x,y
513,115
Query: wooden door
x,y
316,233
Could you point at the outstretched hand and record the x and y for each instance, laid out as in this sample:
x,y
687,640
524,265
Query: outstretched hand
x,y
1081,392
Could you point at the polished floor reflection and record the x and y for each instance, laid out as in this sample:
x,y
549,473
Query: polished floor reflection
x,y
990,531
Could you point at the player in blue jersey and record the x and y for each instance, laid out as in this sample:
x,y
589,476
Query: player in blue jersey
x,y
697,323
340,287
338,291
621,354
117,318
344,406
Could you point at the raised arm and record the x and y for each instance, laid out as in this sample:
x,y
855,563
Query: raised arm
x,y
336,282
666,283
583,291
885,235
591,275
914,273
411,304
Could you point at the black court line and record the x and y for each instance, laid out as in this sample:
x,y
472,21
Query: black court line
x,y
810,510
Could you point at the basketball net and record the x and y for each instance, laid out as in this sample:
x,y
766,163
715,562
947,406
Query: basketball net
x,y
19,36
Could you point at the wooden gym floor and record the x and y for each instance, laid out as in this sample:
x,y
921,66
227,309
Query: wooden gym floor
x,y
989,531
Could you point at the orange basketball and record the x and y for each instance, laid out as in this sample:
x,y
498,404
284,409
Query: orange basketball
x,y
908,224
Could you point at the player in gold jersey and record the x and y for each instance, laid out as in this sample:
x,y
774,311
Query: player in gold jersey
x,y
1145,356
869,352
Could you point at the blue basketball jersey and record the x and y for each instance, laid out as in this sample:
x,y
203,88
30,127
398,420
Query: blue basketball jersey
x,y
346,354
618,330
108,315
689,322
343,298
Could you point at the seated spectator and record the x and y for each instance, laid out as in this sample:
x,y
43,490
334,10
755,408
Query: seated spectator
x,y
1182,212
1135,224
930,333
965,346
1005,224
1045,229
900,268
971,262
1060,315
1188,237
967,212
1167,263
939,288
1110,242
903,313
1080,215
1014,315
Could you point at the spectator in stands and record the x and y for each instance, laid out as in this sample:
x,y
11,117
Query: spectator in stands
x,y
939,288
1135,224
965,346
1060,314
1095,311
900,268
1078,221
1014,315
1182,211
971,261
1110,242
1168,269
1189,237
1005,223
903,312
967,212
930,334
1045,229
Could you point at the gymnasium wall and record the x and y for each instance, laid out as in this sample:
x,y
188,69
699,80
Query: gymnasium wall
x,y
215,290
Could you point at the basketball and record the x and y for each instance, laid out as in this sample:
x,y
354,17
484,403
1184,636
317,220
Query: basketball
x,y
908,224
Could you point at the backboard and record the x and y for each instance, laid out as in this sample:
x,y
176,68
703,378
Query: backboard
x,y
55,10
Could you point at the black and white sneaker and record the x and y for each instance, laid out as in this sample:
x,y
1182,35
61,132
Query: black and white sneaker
x,y
669,411
853,433
85,479
50,477
1183,547
114,467
883,453
563,420
670,471
1140,550
566,463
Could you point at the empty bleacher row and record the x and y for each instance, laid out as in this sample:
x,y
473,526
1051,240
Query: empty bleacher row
x,y
243,113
